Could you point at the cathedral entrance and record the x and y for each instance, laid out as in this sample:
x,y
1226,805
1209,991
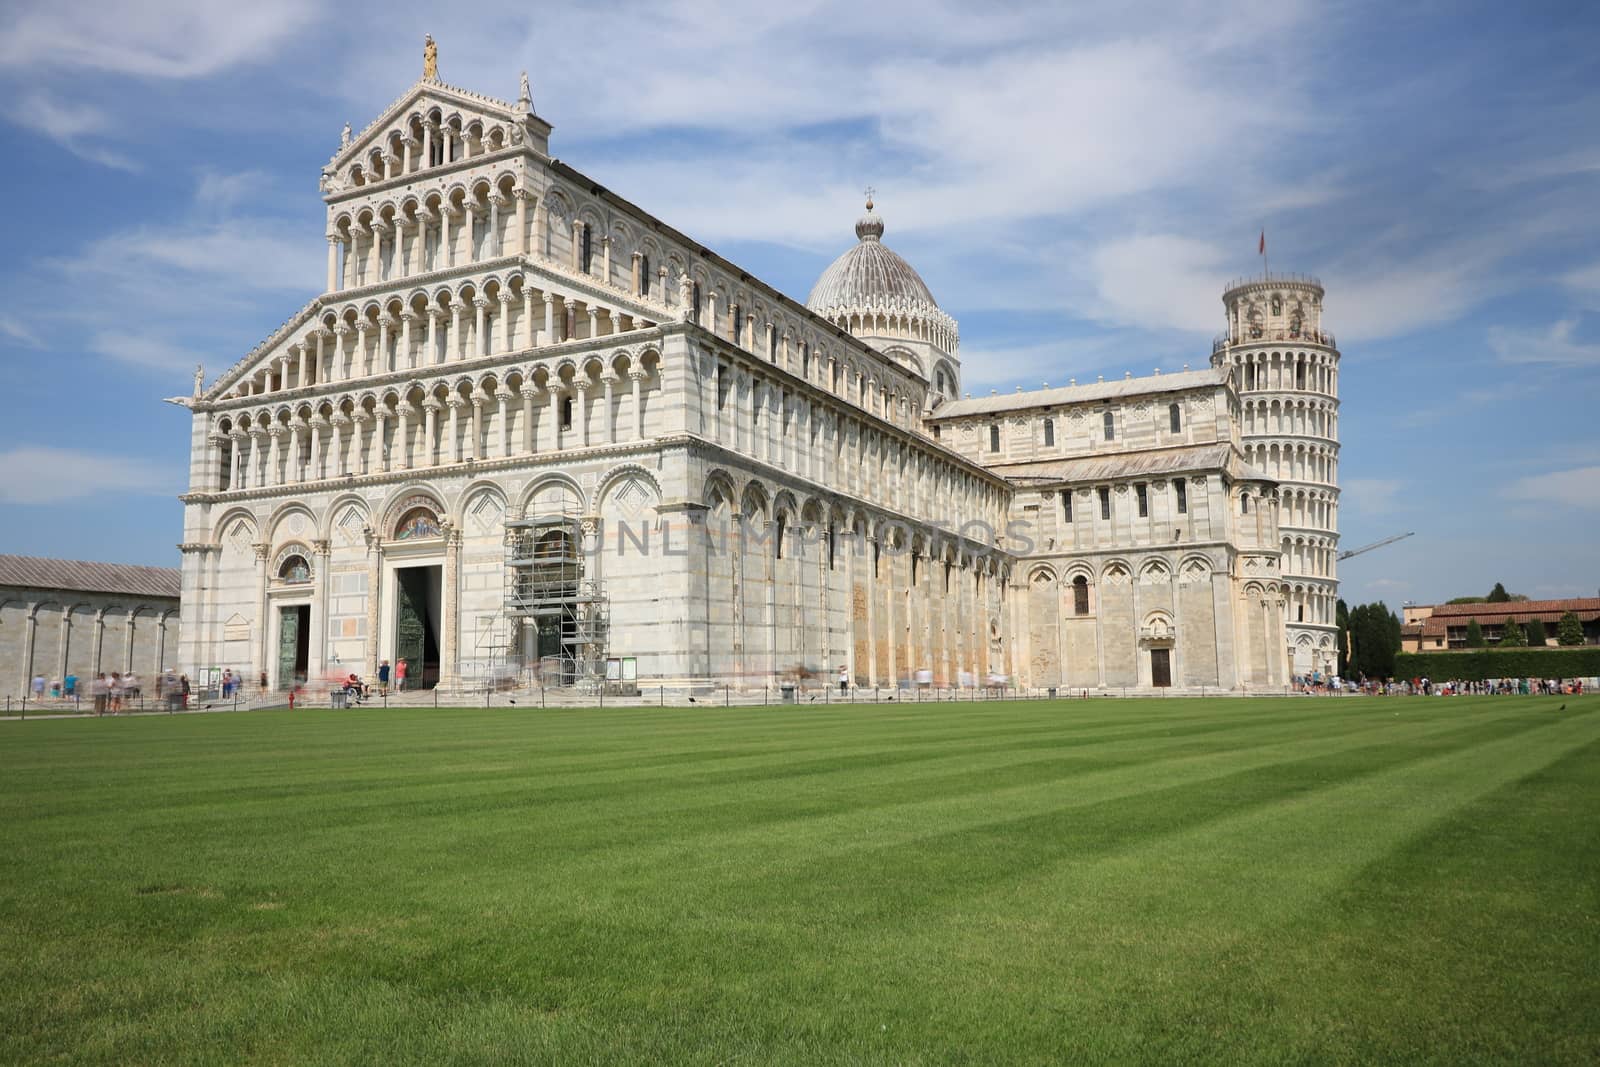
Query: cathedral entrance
x,y
417,624
294,645
1161,668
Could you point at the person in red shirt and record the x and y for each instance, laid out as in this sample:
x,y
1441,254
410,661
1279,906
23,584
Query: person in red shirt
x,y
400,675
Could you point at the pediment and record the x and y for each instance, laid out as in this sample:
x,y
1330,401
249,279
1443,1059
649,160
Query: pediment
x,y
448,104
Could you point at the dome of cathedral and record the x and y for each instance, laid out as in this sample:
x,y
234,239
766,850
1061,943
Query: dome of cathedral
x,y
870,275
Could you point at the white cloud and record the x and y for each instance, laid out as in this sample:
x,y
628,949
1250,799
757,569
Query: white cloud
x,y
143,350
1578,487
147,38
1158,281
18,331
79,128
1554,344
1370,496
34,475
1585,281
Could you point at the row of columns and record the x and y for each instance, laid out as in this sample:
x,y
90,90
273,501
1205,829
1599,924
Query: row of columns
x,y
361,443
351,351
97,644
769,421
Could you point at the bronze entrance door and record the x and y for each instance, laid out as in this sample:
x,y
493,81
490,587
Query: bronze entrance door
x,y
415,638
1161,667
294,645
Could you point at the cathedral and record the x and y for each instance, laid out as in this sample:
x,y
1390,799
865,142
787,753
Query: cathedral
x,y
529,434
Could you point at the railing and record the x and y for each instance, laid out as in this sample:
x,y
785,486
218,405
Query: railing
x,y
1272,278
1226,339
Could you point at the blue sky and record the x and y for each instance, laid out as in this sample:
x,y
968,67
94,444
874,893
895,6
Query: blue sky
x,y
1075,182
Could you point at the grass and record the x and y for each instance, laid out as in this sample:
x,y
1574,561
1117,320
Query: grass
x,y
1163,881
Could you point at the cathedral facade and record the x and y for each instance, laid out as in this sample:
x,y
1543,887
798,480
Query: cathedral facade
x,y
529,432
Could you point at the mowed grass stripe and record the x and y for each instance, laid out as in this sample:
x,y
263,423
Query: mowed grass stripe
x,y
944,883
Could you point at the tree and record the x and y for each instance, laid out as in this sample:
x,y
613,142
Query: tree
x,y
1467,600
1375,633
1569,631
1475,634
1536,634
1341,618
1498,595
1513,636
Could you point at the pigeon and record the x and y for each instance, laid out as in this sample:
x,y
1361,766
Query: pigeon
x,y
692,700
1562,708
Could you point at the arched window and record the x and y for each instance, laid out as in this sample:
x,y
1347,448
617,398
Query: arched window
x,y
1049,433
644,274
1175,418
1109,424
295,570
1080,595
994,437
418,522
1244,503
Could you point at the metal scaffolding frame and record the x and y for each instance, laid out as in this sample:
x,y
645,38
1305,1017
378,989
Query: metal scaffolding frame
x,y
560,614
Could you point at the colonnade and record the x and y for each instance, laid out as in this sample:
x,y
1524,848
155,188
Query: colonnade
x,y
53,646
426,425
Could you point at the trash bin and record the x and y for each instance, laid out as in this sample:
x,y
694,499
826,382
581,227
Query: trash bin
x,y
336,698
788,693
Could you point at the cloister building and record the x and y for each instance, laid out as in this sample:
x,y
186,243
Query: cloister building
x,y
527,428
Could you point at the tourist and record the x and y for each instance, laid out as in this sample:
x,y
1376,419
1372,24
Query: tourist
x,y
114,693
400,675
844,679
383,678
183,683
71,685
38,687
101,691
263,684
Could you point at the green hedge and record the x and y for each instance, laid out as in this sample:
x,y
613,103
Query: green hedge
x,y
1476,665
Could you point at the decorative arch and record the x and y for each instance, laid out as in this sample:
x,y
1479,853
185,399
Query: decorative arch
x,y
548,486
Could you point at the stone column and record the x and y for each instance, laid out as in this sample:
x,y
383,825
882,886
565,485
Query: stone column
x,y
335,465
503,395
403,359
427,144
335,252
454,452
605,258
555,416
374,598
528,394
505,320
271,477
521,243
454,343
446,251
359,363
541,229
527,316
380,452
637,377
435,315
594,321
260,653
475,448
479,341
580,401
491,239
404,249
402,437
609,381
549,318
430,432
237,438
450,606
30,634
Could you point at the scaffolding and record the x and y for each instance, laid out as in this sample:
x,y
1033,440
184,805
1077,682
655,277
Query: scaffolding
x,y
559,616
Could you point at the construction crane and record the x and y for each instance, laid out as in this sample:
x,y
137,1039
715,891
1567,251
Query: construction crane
x,y
1376,544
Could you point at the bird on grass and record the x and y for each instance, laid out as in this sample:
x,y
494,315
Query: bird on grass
x,y
1562,708
692,700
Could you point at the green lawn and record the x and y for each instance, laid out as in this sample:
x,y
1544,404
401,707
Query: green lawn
x,y
1165,881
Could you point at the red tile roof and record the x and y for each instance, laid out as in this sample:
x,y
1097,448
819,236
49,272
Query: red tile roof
x,y
122,579
1550,611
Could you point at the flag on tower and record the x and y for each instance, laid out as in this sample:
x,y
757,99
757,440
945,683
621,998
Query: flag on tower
x,y
1262,250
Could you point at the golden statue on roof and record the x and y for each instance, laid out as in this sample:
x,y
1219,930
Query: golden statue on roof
x,y
430,59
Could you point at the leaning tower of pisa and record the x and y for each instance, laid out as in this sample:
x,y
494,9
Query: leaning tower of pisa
x,y
1286,369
